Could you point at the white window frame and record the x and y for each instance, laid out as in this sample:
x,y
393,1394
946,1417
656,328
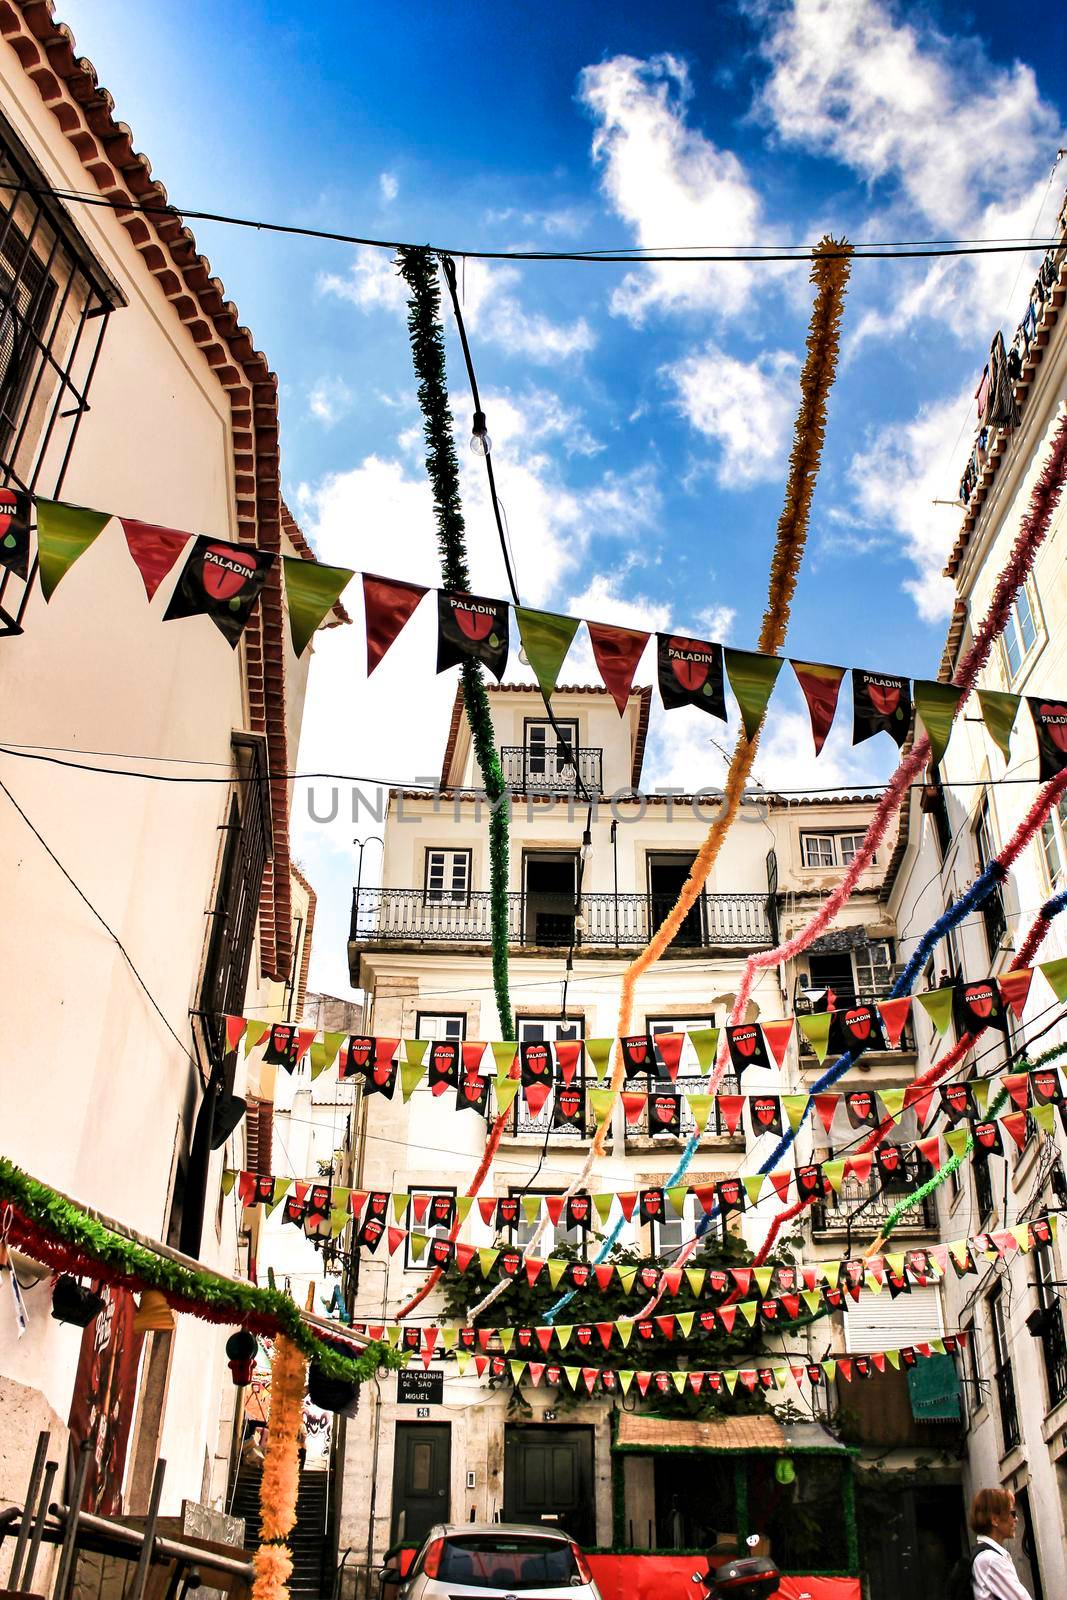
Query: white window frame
x,y
872,968
1017,653
673,1234
547,748
566,1028
453,888
839,847
441,1026
521,1232
1053,840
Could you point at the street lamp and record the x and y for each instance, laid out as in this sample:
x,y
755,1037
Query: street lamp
x,y
361,844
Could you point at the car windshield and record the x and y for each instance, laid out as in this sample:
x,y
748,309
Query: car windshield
x,y
495,1561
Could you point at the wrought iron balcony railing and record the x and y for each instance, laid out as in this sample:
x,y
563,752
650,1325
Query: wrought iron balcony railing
x,y
529,771
541,920
862,1208
523,1122
863,994
716,1124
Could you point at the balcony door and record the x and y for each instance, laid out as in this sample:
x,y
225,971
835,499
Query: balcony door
x,y
667,872
550,887
545,753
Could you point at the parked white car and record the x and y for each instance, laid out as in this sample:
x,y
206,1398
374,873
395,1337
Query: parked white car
x,y
495,1561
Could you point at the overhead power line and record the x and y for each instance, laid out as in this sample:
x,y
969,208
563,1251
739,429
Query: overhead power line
x,y
624,255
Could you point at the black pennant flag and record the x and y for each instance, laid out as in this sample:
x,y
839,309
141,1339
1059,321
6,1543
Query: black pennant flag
x,y
470,626
690,674
221,581
880,703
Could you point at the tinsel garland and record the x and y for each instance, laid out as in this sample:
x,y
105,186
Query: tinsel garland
x,y
1027,950
829,272
1033,530
419,272
280,1484
58,1233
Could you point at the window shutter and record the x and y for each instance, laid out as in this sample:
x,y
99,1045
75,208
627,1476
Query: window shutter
x,y
880,1323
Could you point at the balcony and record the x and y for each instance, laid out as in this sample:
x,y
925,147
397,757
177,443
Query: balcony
x,y
525,1125
541,771
861,1209
547,921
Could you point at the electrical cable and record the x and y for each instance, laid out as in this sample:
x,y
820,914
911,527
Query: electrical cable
x,y
80,892
625,255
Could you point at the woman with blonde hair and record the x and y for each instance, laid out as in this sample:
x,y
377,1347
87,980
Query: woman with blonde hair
x,y
994,1520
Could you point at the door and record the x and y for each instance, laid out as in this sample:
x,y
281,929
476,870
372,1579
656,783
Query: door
x,y
551,886
666,875
422,1464
546,755
548,1479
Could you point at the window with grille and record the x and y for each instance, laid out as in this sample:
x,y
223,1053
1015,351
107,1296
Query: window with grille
x,y
546,751
546,1030
874,967
246,848
448,877
1002,1370
55,300
1052,1338
524,1229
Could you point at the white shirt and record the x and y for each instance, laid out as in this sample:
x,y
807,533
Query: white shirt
x,y
993,1575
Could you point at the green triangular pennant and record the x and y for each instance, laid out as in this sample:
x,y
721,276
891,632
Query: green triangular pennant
x,y
795,1107
815,1027
700,1105
463,1207
981,1088
410,1074
517,1370
763,1276
463,1361
753,1185
504,1051
957,1140
487,1260
999,711
677,1197
310,590
893,1100
415,1051
937,1004
624,1328
400,1206
531,1208
600,1103
602,1207
626,1378
752,677
506,1090
599,1053
936,704
1055,974
812,1299
229,1178
281,1189
680,1381
705,1042
419,1243
546,638
834,1173
696,1276
563,1333
730,1379
63,534
556,1269
506,1337
254,1033
830,1369
685,1320
626,1276
573,1374
338,1220
1043,1116
893,1357
747,1309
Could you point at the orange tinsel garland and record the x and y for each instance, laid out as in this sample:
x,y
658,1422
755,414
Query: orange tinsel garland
x,y
273,1561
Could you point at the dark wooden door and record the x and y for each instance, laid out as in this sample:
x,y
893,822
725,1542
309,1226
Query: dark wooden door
x,y
548,1479
422,1465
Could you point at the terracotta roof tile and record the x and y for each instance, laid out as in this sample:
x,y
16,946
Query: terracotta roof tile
x,y
84,111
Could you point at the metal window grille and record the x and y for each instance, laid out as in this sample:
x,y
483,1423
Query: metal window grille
x,y
55,301
1053,1339
1002,1372
245,851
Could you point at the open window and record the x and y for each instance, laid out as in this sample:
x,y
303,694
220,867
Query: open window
x,y
667,872
550,889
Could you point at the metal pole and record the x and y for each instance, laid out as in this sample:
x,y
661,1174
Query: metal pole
x,y
50,1470
70,1535
145,1558
31,1495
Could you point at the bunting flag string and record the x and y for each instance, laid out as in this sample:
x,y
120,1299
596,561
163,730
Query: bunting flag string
x,y
875,1024
785,1295
770,1375
693,672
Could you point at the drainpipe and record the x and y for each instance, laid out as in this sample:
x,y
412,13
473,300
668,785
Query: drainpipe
x,y
615,867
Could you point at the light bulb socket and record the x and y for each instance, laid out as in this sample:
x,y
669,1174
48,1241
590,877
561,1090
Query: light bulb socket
x,y
481,443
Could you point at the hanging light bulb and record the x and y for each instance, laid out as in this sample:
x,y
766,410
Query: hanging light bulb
x,y
481,443
587,847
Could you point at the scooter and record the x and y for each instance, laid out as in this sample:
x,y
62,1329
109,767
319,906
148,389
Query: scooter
x,y
748,1577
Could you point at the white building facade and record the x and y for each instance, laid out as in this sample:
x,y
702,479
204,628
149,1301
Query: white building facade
x,y
1016,1379
128,384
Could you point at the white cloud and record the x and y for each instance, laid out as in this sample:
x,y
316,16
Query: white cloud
x,y
330,399
388,186
896,488
745,407
491,308
565,220
671,184
891,99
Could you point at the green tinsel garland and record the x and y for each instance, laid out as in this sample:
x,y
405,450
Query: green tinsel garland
x,y
222,1300
419,272
955,1162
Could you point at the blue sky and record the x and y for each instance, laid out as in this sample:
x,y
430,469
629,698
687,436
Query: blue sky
x,y
641,417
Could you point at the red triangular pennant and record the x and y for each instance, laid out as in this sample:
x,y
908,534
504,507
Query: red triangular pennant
x,y
780,1183
604,1274
465,1254
627,1202
568,1055
731,1106
894,1014
1014,988
820,686
669,1046
859,1163
554,1206
617,652
487,1208
727,1315
535,1095
633,1104
919,1096
1018,1086
778,1035
930,1150
826,1105
1015,1123
388,605
534,1265
643,1381
154,550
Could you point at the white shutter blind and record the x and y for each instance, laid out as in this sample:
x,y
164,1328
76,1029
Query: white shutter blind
x,y
881,1323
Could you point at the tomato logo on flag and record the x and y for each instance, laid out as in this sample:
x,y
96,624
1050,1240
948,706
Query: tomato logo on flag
x,y
885,697
224,571
476,621
1055,719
